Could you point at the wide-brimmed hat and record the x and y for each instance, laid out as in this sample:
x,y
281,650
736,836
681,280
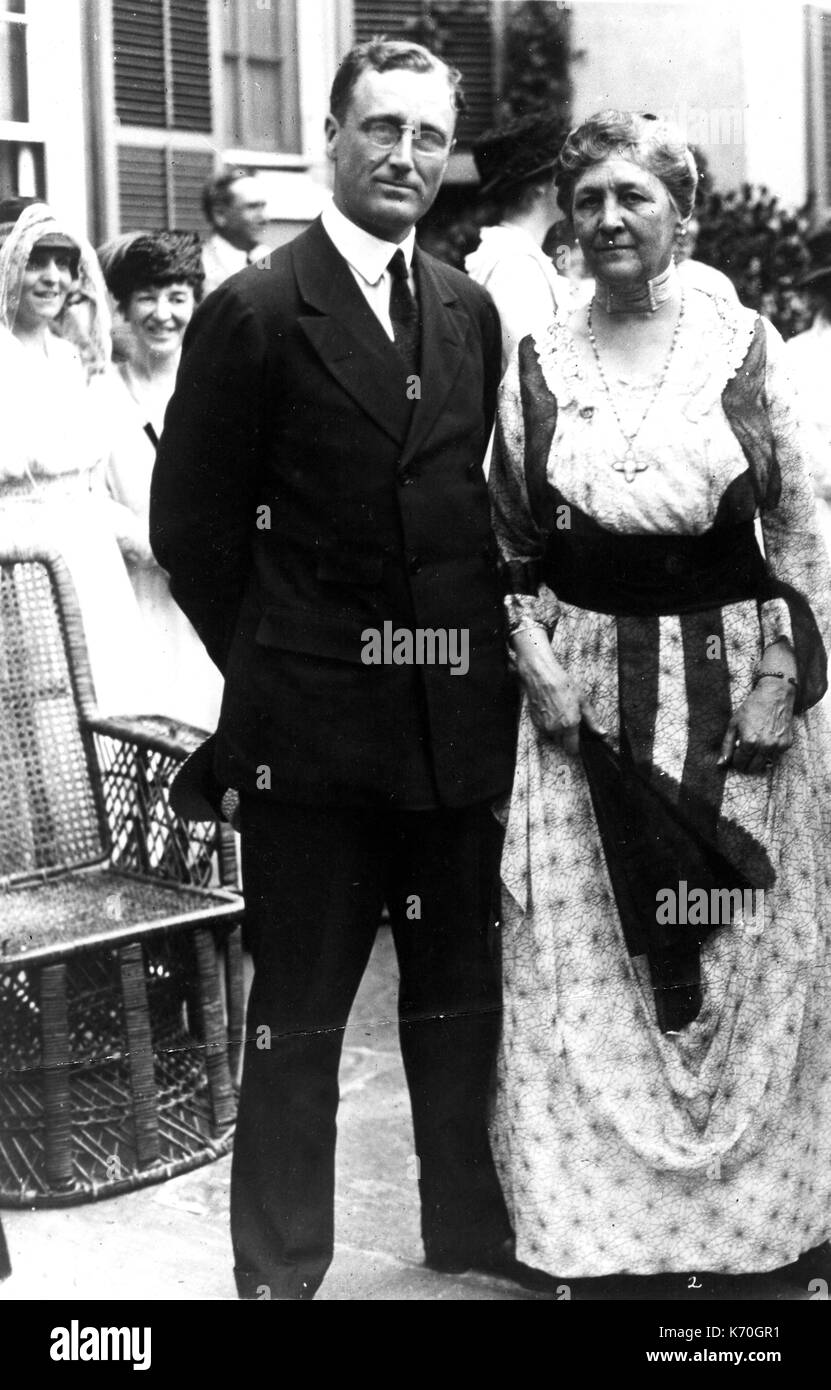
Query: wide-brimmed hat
x,y
517,152
57,241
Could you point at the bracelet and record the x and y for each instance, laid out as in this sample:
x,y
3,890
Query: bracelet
x,y
779,675
529,627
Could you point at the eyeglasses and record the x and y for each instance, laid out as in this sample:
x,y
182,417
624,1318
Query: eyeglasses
x,y
386,135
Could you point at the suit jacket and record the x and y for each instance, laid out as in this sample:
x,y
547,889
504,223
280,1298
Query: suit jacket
x,y
302,497
220,260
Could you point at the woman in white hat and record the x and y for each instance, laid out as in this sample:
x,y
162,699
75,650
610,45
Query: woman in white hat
x,y
54,347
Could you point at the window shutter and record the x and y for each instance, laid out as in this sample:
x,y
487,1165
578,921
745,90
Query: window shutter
x,y
162,81
142,188
467,47
190,61
138,47
162,188
389,19
162,63
469,50
190,172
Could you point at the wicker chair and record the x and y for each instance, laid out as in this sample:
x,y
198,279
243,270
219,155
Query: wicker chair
x,y
120,967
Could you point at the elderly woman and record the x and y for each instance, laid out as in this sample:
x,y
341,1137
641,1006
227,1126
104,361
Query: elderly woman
x,y
663,1090
54,345
155,279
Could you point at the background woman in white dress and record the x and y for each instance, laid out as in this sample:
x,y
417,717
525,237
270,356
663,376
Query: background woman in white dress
x,y
155,279
52,356
516,166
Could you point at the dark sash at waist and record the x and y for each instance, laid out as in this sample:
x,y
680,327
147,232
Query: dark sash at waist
x,y
629,575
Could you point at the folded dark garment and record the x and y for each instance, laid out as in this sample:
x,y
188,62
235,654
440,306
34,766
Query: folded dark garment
x,y
652,845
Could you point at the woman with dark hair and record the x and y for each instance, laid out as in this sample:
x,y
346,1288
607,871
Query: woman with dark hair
x,y
155,279
664,1101
54,347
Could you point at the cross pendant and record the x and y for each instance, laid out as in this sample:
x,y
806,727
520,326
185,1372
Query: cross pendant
x,y
629,467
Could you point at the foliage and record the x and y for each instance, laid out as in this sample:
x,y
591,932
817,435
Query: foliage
x,y
537,55
762,246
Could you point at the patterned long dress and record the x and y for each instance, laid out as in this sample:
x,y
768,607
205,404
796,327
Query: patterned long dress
x,y
622,1148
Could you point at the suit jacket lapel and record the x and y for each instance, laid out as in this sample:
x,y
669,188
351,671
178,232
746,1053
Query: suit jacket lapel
x,y
444,328
347,336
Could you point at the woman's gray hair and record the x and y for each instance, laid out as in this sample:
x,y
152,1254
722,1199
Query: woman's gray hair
x,y
655,144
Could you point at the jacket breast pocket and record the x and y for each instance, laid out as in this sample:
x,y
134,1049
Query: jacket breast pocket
x,y
311,632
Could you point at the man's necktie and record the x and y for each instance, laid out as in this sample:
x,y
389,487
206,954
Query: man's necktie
x,y
404,314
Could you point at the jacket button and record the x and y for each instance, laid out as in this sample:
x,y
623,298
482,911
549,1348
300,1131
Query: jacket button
x,y
405,477
414,564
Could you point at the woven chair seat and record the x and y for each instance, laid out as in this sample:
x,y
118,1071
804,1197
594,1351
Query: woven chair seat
x,y
98,905
120,953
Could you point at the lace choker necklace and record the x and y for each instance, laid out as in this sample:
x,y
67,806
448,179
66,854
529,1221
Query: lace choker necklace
x,y
643,298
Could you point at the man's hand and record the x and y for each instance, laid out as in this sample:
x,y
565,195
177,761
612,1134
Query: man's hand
x,y
761,729
556,704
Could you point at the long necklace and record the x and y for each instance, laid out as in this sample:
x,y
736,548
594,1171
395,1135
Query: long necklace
x,y
629,465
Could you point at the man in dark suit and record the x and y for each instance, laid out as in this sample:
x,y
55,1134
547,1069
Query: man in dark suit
x,y
320,505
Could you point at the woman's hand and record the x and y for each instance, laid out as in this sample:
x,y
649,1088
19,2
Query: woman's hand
x,y
761,729
556,704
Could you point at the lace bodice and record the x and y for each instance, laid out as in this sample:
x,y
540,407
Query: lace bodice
x,y
686,442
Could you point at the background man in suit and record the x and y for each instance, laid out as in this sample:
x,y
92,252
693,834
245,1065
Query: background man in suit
x,y
234,204
319,476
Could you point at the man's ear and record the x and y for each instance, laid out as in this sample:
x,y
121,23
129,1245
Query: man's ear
x,y
331,129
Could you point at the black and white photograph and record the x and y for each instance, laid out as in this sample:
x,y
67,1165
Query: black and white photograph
x,y
415,607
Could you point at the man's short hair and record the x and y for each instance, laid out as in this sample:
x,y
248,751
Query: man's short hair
x,y
385,55
217,191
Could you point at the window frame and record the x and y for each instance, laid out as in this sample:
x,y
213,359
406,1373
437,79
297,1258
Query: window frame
x,y
30,134
286,67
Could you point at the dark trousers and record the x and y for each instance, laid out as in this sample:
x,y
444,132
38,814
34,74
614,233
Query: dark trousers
x,y
315,881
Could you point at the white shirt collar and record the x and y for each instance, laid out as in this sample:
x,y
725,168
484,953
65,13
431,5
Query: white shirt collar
x,y
229,255
367,254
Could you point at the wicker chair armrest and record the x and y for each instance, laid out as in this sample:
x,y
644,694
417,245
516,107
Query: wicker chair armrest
x,y
138,756
152,732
